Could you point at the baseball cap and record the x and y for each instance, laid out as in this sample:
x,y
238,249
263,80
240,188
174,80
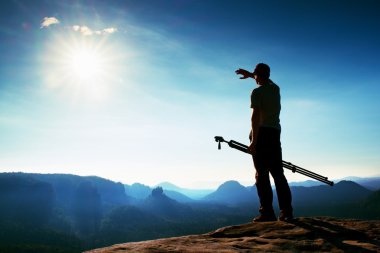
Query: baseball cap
x,y
262,70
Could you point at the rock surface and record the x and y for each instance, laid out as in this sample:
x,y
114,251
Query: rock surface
x,y
301,235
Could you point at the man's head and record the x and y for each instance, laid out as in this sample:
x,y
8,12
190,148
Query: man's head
x,y
261,73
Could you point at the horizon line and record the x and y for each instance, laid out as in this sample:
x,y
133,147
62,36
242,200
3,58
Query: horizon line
x,y
336,180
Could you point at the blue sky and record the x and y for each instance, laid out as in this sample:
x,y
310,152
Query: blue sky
x,y
135,91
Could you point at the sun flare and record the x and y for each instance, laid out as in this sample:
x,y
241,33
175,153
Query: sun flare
x,y
85,64
84,68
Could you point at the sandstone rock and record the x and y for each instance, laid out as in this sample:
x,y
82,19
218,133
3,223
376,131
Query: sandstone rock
x,y
301,235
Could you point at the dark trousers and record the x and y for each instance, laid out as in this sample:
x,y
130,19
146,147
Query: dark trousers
x,y
268,159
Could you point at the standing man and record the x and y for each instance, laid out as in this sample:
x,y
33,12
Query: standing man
x,y
265,145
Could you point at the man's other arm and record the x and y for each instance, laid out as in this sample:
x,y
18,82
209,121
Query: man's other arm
x,y
255,124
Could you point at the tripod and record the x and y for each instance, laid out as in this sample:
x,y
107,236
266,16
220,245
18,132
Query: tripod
x,y
286,165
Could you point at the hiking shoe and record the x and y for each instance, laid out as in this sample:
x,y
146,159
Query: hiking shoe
x,y
285,216
264,218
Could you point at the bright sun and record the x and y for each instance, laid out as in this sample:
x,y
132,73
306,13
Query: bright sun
x,y
85,64
82,67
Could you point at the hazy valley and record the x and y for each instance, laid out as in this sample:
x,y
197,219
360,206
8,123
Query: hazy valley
x,y
68,213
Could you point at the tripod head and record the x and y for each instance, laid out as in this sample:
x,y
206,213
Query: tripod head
x,y
219,139
232,144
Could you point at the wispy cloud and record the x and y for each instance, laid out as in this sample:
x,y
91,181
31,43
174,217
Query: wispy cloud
x,y
110,30
86,31
48,21
82,29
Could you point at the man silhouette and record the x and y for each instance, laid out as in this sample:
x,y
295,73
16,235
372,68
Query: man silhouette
x,y
265,145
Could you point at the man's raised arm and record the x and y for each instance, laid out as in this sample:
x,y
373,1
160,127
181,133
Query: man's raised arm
x,y
245,73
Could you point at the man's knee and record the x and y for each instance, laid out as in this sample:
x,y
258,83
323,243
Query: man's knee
x,y
261,177
279,176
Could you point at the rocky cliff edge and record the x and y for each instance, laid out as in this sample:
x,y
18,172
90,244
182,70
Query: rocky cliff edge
x,y
301,235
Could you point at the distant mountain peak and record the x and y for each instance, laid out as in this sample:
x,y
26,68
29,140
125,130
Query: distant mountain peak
x,y
169,186
139,184
191,193
230,185
157,192
347,183
231,192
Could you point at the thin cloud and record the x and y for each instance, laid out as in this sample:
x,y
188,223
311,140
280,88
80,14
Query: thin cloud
x,y
86,31
82,29
76,28
110,30
48,21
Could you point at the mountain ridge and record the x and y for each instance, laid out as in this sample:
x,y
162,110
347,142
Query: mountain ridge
x,y
232,193
191,193
97,212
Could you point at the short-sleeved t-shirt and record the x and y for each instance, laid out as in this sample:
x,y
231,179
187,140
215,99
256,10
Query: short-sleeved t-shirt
x,y
267,99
